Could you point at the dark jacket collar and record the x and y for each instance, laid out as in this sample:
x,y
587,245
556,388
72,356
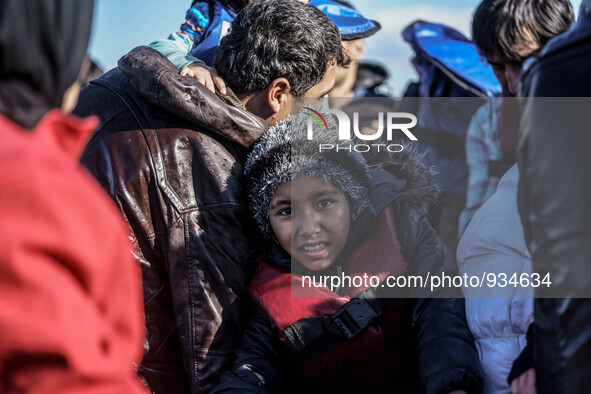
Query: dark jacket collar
x,y
230,98
579,33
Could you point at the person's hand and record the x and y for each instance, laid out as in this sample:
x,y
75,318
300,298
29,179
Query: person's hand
x,y
524,383
208,76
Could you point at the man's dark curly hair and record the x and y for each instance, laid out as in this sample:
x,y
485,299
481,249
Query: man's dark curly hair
x,y
516,29
270,39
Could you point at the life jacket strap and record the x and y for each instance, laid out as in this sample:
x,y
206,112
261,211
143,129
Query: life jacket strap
x,y
350,320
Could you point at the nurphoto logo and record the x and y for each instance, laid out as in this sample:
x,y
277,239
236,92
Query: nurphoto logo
x,y
391,122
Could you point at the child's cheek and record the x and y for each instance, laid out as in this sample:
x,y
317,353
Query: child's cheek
x,y
283,233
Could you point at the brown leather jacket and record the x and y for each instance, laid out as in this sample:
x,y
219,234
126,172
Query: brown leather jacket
x,y
170,153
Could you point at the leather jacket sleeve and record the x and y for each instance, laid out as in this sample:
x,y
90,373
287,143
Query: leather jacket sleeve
x,y
446,353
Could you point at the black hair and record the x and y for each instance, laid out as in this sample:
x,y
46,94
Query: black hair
x,y
516,29
270,39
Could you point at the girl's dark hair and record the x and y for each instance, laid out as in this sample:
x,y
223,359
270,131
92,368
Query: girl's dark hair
x,y
515,29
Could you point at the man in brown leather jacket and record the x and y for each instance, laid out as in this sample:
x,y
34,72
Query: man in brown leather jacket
x,y
170,154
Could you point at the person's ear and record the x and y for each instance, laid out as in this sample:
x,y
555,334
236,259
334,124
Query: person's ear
x,y
278,95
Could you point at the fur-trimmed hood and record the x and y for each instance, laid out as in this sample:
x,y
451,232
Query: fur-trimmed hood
x,y
411,181
285,152
371,182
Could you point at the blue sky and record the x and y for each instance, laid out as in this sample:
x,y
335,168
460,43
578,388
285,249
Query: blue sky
x,y
120,25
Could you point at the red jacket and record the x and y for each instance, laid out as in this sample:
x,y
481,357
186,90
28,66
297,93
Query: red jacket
x,y
70,294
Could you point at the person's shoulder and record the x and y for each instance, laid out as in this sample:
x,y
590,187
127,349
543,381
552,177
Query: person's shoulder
x,y
55,204
47,181
106,97
567,49
571,40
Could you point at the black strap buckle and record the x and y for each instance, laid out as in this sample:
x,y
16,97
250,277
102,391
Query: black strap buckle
x,y
354,317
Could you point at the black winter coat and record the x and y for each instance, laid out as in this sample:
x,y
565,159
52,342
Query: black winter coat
x,y
446,357
554,193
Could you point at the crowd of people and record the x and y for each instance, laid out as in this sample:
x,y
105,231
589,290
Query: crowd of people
x,y
190,177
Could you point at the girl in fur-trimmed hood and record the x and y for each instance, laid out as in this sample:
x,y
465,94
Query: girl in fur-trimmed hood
x,y
329,215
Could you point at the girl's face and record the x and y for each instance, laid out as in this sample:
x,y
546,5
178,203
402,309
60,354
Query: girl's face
x,y
311,219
